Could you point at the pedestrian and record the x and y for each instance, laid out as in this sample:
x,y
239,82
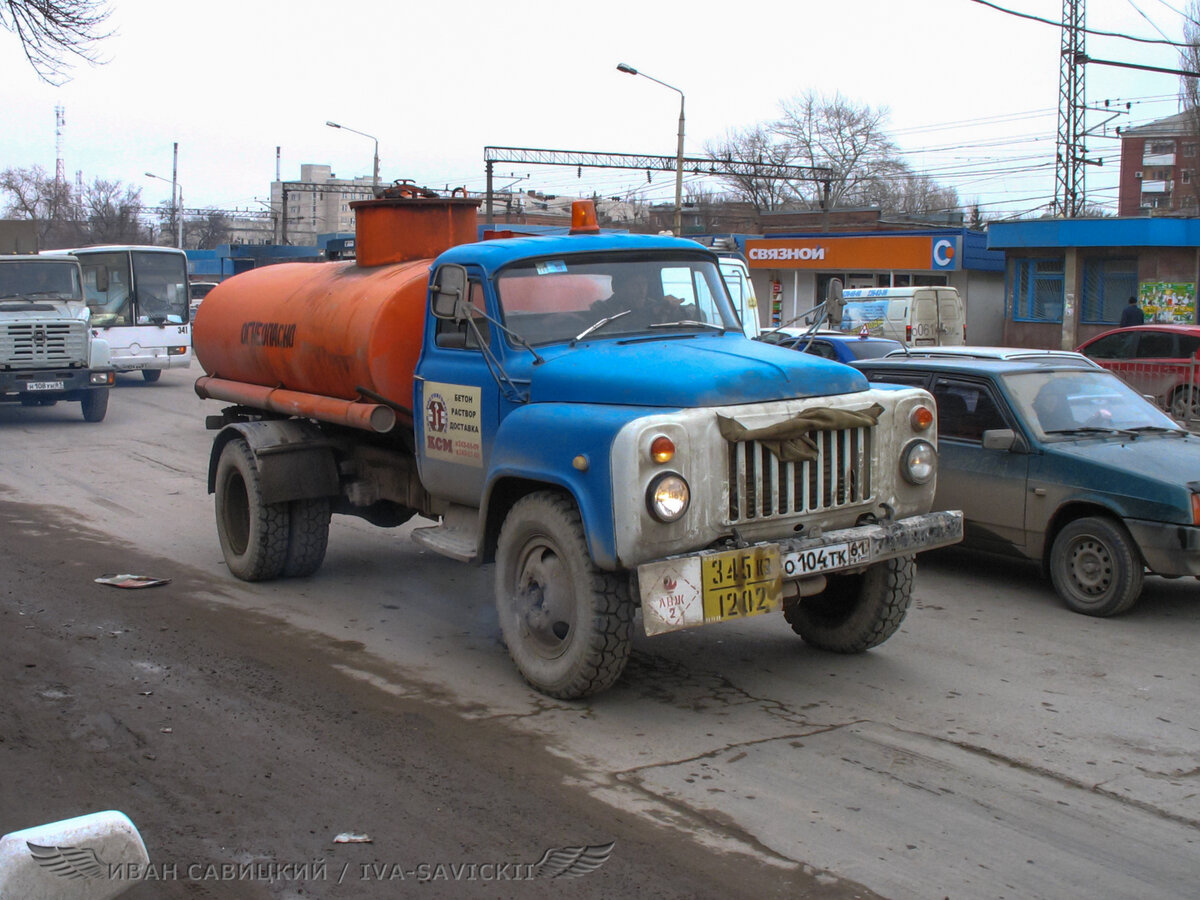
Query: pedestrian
x,y
1131,314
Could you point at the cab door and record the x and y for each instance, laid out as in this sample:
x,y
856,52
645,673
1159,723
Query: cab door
x,y
989,486
456,402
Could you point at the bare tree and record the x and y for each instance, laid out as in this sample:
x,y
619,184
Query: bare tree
x,y
53,206
835,133
51,32
908,193
206,231
113,213
755,144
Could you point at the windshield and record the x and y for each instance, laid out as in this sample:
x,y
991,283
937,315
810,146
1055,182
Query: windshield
x,y
1069,403
154,292
39,280
161,282
573,297
106,285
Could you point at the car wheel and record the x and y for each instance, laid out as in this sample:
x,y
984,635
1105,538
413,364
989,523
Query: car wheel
x,y
567,623
1096,567
151,375
254,535
855,612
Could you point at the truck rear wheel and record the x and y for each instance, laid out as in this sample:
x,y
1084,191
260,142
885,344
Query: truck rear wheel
x,y
567,623
308,537
95,405
253,534
855,612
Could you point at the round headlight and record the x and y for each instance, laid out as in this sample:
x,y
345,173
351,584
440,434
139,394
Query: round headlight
x,y
920,462
668,497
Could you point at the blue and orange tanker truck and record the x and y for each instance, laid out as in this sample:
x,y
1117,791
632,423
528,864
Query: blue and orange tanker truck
x,y
606,450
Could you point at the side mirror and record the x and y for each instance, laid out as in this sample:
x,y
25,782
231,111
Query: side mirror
x,y
449,289
999,439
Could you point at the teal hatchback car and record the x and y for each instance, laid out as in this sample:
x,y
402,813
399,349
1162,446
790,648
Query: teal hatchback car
x,y
1063,465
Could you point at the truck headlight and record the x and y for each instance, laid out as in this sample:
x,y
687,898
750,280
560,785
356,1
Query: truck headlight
x,y
668,497
919,462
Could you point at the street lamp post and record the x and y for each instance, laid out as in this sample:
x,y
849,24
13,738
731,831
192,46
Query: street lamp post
x,y
630,70
375,176
176,207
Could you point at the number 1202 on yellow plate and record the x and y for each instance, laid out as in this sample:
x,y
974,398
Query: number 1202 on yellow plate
x,y
739,583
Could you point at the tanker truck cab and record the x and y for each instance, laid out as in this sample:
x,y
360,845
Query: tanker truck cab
x,y
585,412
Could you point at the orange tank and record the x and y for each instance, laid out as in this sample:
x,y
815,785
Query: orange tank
x,y
318,328
345,330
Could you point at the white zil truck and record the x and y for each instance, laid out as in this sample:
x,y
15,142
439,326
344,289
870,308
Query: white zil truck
x,y
48,351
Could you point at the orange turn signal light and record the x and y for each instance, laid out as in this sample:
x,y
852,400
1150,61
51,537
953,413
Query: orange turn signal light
x,y
1196,509
662,449
583,218
921,418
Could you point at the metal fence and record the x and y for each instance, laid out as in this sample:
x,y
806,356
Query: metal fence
x,y
1173,386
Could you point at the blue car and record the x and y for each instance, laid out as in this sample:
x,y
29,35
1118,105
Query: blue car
x,y
1064,465
835,345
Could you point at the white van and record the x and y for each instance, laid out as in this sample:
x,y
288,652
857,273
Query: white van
x,y
915,316
741,289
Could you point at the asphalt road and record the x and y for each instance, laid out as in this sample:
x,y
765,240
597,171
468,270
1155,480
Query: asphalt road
x,y
997,746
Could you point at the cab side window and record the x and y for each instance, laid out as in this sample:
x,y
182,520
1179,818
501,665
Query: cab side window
x,y
460,335
966,409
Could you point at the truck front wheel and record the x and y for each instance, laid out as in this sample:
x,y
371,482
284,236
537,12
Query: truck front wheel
x,y
567,623
95,405
855,612
253,534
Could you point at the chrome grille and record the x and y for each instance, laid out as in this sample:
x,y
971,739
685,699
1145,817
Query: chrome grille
x,y
763,487
27,344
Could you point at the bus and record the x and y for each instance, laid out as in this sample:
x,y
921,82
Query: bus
x,y
138,296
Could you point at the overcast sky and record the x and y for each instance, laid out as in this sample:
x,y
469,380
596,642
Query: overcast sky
x,y
972,91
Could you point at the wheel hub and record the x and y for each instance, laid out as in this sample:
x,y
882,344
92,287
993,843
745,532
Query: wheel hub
x,y
1091,568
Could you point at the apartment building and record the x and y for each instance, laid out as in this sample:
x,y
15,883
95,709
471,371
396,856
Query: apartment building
x,y
1160,165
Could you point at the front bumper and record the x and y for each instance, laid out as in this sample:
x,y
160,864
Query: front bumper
x,y
57,384
1167,549
714,585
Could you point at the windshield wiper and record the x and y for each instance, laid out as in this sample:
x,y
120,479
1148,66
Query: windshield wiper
x,y
693,322
596,326
1093,429
1158,429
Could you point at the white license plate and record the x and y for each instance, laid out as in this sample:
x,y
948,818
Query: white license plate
x,y
44,386
821,559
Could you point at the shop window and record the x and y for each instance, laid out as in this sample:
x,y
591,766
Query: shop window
x,y
1107,286
1037,290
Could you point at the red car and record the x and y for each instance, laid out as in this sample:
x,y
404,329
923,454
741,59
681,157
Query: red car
x,y
1156,360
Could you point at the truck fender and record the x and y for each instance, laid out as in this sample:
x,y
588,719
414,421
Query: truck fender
x,y
295,460
100,354
520,466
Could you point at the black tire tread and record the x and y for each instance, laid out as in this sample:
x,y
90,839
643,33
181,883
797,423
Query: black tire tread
x,y
267,549
879,599
609,638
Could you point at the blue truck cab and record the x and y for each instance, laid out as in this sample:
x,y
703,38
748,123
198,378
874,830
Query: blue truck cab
x,y
593,420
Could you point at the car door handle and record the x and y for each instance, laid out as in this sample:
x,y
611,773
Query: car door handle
x,y
1038,492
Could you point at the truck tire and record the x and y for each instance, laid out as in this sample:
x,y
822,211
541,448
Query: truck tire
x,y
1096,567
855,612
151,375
308,536
95,405
567,623
253,534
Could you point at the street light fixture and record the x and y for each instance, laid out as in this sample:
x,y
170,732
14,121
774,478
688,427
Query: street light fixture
x,y
630,70
176,207
375,177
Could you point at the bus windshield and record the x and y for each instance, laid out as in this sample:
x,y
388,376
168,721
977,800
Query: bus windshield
x,y
135,287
